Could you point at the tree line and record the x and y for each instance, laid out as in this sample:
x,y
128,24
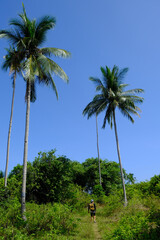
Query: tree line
x,y
54,179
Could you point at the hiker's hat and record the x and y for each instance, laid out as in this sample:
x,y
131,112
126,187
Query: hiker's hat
x,y
92,200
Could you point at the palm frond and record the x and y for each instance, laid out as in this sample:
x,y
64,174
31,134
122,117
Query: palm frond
x,y
97,82
130,107
104,73
54,86
45,23
122,86
133,98
29,70
50,66
108,116
18,24
122,73
126,114
96,106
133,91
56,52
45,78
10,35
42,26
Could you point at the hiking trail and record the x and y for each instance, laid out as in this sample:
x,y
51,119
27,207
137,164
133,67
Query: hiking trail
x,y
97,235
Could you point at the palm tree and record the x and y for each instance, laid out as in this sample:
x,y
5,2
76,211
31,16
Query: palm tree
x,y
37,66
12,61
112,96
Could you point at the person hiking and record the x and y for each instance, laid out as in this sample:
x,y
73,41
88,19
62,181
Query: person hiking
x,y
92,210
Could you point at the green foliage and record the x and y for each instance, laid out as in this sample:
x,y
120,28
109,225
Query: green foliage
x,y
68,219
56,218
10,219
58,179
52,177
113,204
78,174
41,219
143,188
149,187
12,190
4,192
154,185
112,95
132,227
1,174
78,199
110,173
139,220
98,191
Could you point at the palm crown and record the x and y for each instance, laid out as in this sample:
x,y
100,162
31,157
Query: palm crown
x,y
12,60
28,35
112,95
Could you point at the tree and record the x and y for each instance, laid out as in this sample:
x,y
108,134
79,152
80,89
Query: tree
x,y
12,61
50,178
112,96
28,35
111,176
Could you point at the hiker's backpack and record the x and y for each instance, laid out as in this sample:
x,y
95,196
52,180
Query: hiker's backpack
x,y
91,206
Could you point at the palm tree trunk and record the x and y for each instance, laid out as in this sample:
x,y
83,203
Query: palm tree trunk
x,y
100,182
9,132
122,176
23,200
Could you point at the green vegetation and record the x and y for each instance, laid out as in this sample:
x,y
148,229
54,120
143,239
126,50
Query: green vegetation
x,y
55,190
58,193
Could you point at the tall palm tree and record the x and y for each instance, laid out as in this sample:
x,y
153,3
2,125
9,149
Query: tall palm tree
x,y
37,66
112,96
12,61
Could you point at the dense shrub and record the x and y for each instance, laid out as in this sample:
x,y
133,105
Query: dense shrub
x,y
56,218
41,220
113,204
131,227
12,190
10,219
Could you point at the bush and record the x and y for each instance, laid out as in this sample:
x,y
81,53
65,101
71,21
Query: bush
x,y
56,218
77,198
10,219
41,220
131,227
98,191
154,185
114,203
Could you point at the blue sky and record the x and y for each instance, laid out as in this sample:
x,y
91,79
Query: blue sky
x,y
97,33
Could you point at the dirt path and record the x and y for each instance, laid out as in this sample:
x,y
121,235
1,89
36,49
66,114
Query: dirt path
x,y
97,235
